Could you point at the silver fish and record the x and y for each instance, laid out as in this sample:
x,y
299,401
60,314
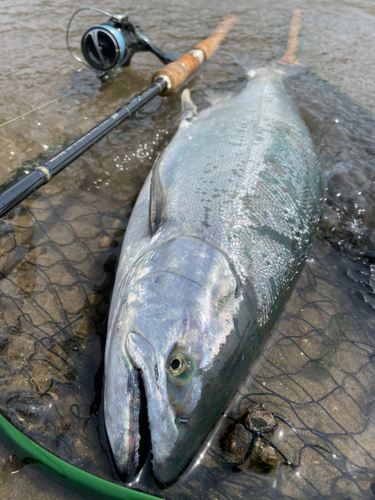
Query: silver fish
x,y
214,244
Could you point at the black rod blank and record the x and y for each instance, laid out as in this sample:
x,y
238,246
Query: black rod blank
x,y
42,174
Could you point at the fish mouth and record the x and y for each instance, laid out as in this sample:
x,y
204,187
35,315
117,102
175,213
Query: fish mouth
x,y
143,422
139,418
155,410
166,471
142,417
125,440
140,446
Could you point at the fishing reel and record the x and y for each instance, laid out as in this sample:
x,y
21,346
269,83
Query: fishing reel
x,y
108,46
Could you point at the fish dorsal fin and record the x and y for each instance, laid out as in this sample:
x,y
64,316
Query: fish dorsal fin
x,y
189,109
156,196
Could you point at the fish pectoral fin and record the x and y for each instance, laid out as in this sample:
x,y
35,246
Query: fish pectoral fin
x,y
156,196
188,108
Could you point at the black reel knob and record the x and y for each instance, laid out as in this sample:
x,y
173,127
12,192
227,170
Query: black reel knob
x,y
104,47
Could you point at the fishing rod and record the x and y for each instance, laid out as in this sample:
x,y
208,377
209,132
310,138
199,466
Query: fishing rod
x,y
106,47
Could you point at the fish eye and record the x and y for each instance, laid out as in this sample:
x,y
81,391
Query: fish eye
x,y
177,365
180,368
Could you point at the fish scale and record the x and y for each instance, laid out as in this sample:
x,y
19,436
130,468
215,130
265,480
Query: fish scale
x,y
254,209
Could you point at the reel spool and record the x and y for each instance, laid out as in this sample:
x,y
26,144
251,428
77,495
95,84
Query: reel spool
x,y
111,45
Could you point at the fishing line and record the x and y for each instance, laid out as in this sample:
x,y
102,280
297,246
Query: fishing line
x,y
39,107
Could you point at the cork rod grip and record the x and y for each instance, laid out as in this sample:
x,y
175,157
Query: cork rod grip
x,y
177,72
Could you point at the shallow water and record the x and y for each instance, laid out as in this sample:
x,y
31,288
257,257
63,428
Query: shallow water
x,y
58,251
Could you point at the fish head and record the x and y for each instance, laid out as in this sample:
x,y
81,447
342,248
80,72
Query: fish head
x,y
177,337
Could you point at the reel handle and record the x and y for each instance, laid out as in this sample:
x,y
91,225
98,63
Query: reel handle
x,y
177,72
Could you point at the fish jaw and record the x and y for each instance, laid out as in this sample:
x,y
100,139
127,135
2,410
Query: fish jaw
x,y
164,433
171,451
122,405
